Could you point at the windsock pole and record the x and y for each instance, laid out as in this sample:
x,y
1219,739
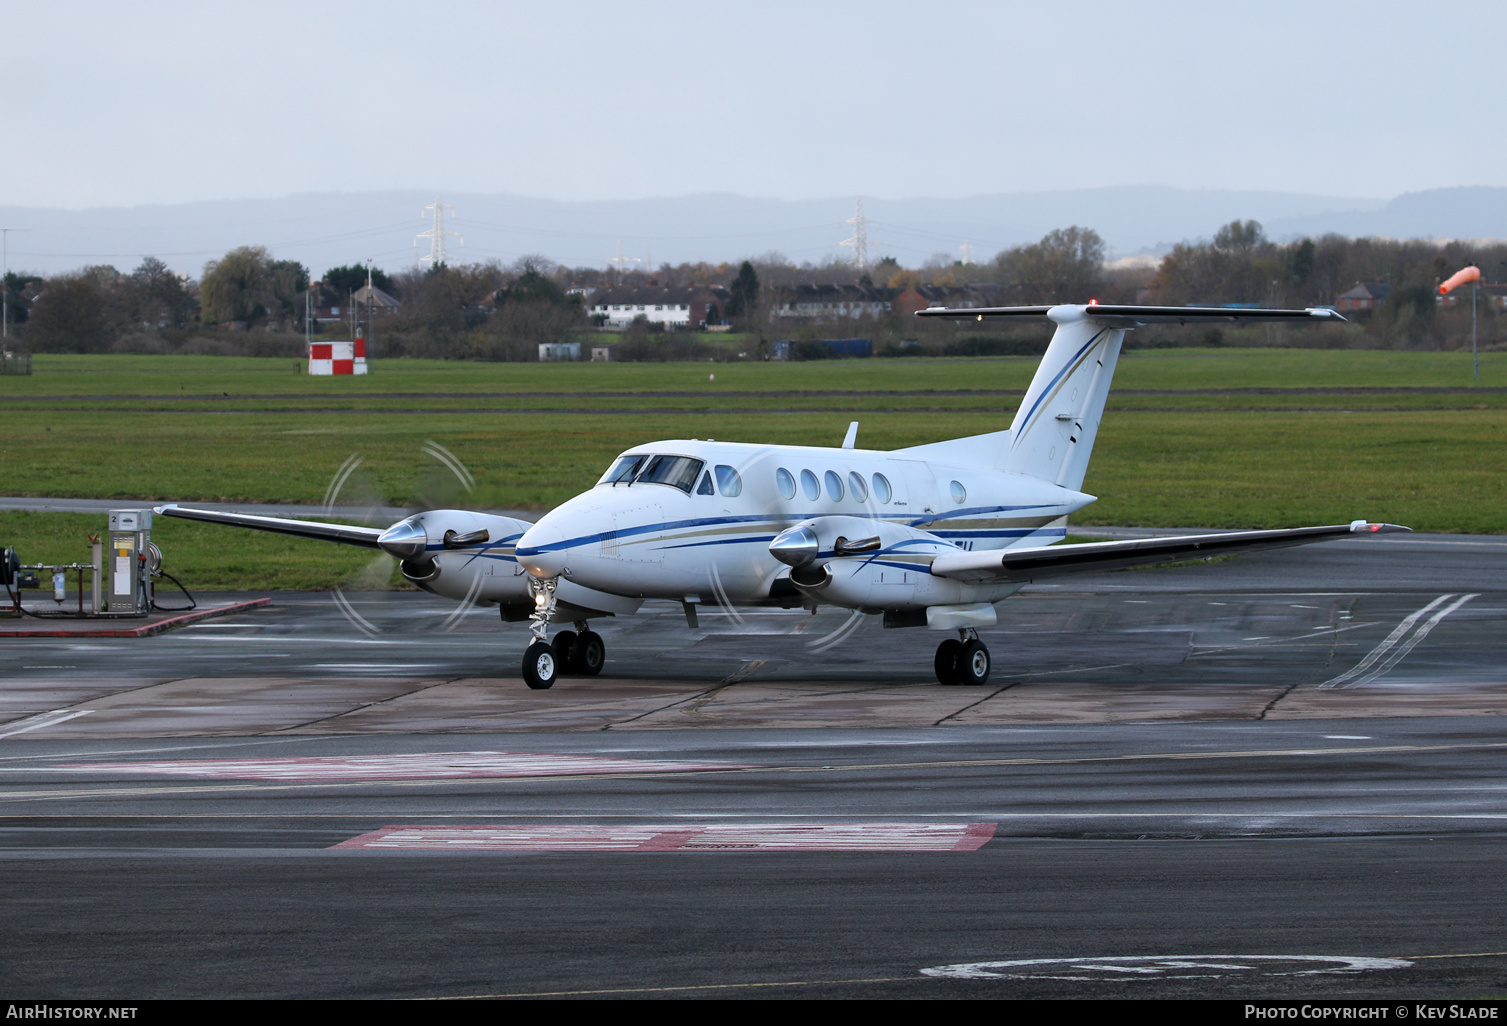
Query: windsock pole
x,y
1470,274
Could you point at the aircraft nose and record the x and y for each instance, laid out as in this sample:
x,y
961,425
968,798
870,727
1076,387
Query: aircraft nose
x,y
543,550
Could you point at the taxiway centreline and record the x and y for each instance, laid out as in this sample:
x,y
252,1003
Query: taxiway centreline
x,y
733,771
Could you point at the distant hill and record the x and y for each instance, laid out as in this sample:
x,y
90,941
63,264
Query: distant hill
x,y
323,230
1469,212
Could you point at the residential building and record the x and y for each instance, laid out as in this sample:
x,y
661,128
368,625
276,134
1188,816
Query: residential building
x,y
675,308
379,303
833,302
1365,296
919,297
849,302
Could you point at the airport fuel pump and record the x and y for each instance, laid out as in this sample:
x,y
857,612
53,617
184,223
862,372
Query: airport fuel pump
x,y
129,575
126,587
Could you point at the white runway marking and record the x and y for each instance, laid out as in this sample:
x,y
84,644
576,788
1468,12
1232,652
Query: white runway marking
x,y
1163,967
714,837
1393,648
37,722
423,766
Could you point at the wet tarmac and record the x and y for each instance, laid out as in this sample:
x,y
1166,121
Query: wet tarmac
x,y
1283,775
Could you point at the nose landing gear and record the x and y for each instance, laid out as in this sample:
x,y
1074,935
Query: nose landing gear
x,y
579,651
540,667
541,662
963,660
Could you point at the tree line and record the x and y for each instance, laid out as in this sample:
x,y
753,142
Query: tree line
x,y
250,302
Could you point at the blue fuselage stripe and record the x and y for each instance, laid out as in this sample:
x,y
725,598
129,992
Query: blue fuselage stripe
x,y
678,525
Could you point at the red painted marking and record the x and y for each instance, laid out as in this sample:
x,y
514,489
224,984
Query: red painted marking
x,y
976,836
360,345
709,837
670,840
422,766
345,366
144,631
321,351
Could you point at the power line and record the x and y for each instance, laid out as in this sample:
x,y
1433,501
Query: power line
x,y
471,223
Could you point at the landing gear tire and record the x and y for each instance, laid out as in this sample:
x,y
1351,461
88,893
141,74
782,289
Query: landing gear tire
x,y
949,662
566,645
973,663
589,654
540,666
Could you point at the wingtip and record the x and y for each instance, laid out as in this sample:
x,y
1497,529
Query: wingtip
x,y
1324,313
1366,527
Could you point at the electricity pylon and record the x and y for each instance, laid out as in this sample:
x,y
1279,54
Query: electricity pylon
x,y
436,235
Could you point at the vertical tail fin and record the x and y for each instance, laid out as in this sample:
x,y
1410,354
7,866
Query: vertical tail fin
x,y
1053,433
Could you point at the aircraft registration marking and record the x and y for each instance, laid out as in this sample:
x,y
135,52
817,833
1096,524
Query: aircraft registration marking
x,y
419,766
706,837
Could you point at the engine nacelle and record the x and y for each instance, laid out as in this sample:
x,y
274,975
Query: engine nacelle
x,y
445,550
870,564
813,542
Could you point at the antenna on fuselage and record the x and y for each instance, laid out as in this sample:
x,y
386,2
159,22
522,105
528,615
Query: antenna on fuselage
x,y
851,437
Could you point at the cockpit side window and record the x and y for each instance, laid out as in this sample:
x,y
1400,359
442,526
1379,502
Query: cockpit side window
x,y
729,483
705,487
677,471
624,470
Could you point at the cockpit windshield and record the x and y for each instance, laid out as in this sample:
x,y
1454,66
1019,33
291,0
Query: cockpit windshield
x,y
624,470
678,471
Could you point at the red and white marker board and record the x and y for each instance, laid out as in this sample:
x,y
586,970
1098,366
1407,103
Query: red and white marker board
x,y
338,357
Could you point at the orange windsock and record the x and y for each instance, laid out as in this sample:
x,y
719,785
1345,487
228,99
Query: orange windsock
x,y
1459,278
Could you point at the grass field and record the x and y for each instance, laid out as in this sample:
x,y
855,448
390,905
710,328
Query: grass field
x,y
1245,461
243,383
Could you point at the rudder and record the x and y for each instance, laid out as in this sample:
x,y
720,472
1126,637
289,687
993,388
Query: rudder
x,y
1053,433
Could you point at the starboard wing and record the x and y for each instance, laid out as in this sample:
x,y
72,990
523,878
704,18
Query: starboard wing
x,y
1130,316
1042,562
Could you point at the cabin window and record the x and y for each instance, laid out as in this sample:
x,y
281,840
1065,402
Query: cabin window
x,y
730,484
834,486
810,485
705,488
959,493
882,490
677,471
857,487
623,470
786,482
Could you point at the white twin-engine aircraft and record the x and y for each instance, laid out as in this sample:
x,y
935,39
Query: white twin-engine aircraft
x,y
930,536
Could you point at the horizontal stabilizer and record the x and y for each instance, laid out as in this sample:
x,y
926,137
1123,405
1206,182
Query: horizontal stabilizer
x,y
1128,316
1034,564
348,535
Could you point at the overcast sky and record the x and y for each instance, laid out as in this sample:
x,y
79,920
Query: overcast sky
x,y
125,104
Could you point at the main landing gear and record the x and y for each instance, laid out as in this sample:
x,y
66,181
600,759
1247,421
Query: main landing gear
x,y
580,651
963,660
